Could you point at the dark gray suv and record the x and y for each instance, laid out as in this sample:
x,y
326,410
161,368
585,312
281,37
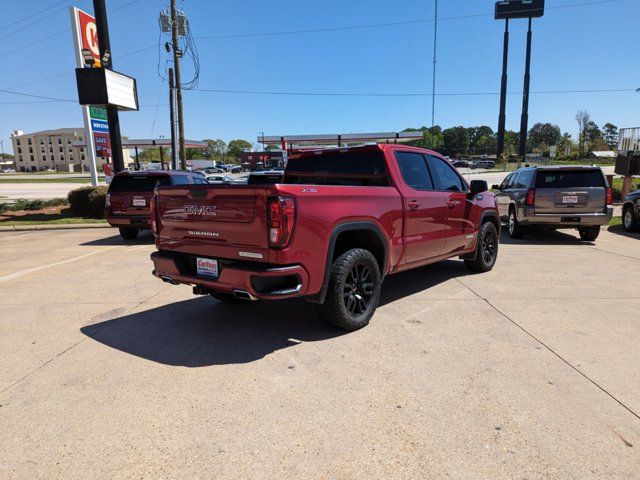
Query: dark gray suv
x,y
555,197
631,212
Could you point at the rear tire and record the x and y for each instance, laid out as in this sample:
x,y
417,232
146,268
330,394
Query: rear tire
x,y
589,234
486,249
629,220
129,233
513,225
354,290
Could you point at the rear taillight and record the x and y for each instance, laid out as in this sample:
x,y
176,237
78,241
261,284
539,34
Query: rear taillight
x,y
107,200
281,215
154,222
609,197
531,197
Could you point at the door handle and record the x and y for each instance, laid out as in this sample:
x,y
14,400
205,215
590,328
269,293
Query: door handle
x,y
414,204
453,203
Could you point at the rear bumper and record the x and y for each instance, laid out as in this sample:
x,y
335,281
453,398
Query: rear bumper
x,y
262,281
142,222
567,219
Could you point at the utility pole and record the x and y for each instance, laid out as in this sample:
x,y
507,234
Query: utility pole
x,y
433,90
102,27
503,91
172,117
524,119
176,64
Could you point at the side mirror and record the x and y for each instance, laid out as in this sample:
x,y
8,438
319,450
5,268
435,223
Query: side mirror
x,y
495,187
478,186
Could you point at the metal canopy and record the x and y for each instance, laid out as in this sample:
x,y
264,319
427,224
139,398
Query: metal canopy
x,y
150,143
338,139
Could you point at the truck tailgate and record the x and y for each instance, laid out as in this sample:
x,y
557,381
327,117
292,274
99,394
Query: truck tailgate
x,y
225,221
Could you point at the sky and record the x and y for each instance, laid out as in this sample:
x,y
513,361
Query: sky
x,y
577,45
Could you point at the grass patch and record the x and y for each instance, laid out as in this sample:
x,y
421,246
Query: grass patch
x,y
46,216
615,221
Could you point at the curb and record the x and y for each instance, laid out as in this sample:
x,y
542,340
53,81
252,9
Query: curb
x,y
22,228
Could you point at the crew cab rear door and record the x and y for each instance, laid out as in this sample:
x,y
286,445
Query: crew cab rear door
x,y
424,209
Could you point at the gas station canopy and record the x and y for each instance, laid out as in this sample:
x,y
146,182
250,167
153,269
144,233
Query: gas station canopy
x,y
150,143
340,139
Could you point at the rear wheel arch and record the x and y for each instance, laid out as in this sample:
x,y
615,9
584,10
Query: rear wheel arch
x,y
346,236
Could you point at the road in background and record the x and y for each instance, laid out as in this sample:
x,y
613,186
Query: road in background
x,y
13,191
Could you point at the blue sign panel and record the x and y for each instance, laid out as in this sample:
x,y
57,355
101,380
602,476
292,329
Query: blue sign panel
x,y
99,125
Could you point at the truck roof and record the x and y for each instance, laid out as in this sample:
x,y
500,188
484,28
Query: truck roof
x,y
385,147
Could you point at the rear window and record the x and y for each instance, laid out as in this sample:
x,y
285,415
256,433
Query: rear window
x,y
355,168
569,179
138,183
263,179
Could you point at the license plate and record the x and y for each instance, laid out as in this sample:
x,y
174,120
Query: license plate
x,y
206,267
139,202
569,199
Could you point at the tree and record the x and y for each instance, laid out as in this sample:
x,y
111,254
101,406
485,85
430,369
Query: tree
x,y
583,118
544,135
456,140
236,147
215,149
610,134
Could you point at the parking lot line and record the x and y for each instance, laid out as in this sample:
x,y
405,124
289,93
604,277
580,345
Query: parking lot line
x,y
13,276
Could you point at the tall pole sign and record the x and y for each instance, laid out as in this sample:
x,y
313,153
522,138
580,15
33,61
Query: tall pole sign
x,y
83,28
505,10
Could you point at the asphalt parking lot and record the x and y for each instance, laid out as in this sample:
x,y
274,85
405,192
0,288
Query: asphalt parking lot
x,y
528,371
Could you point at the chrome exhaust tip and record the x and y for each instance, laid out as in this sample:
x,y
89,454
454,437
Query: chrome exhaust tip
x,y
164,278
243,295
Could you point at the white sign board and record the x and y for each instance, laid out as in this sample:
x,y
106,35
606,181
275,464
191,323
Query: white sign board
x,y
553,149
121,90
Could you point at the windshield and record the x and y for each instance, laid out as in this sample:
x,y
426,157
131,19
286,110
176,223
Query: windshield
x,y
138,183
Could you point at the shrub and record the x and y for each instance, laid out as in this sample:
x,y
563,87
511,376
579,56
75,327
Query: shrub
x,y
88,201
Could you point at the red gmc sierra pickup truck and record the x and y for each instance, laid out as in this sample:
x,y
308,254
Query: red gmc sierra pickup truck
x,y
338,223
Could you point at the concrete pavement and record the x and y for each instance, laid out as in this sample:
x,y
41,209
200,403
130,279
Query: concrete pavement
x,y
528,371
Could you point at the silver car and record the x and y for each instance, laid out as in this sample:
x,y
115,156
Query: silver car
x,y
555,197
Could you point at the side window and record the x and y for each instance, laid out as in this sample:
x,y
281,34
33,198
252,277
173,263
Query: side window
x,y
515,181
524,180
414,170
446,178
199,181
505,183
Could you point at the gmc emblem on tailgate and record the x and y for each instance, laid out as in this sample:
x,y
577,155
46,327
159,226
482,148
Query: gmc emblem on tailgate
x,y
200,209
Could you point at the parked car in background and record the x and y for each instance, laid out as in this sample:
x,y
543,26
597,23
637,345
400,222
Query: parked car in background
x,y
483,164
555,197
631,211
127,204
218,179
338,222
460,163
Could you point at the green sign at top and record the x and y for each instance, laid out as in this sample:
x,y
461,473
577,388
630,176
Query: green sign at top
x,y
98,113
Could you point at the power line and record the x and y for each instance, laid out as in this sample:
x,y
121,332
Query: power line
x,y
23,47
404,94
386,24
33,15
38,96
39,20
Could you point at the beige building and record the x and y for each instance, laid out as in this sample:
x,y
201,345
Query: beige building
x,y
55,150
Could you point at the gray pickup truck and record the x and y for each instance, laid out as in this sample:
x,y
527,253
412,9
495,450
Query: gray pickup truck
x,y
555,197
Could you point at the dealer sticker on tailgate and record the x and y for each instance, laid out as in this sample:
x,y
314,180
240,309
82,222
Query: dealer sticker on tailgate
x,y
139,202
207,267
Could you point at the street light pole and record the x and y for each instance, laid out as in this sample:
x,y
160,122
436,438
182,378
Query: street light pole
x,y
503,91
524,119
102,27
